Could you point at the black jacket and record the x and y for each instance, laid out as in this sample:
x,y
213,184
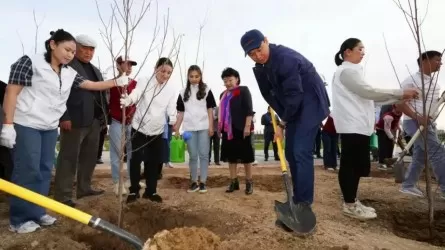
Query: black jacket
x,y
81,102
2,95
240,107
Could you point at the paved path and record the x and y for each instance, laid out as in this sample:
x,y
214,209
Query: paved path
x,y
259,157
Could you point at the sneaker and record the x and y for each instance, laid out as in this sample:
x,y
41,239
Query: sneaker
x,y
383,167
153,197
366,208
132,197
356,211
193,188
255,163
27,227
202,188
415,191
116,189
170,165
47,220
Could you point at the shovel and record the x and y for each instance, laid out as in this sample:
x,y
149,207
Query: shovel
x,y
399,165
291,217
70,212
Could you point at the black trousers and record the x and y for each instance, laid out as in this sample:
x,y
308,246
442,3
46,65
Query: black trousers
x,y
354,164
386,146
215,140
103,133
6,163
268,138
147,149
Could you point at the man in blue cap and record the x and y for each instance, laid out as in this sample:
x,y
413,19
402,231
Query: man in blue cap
x,y
292,87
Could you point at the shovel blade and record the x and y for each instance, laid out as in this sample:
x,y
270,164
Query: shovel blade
x,y
301,221
399,171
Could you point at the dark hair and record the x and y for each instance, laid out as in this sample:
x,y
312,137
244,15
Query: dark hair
x,y
201,86
227,72
163,61
349,43
58,37
428,55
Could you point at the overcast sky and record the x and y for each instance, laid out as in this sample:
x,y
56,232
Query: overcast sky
x,y
315,28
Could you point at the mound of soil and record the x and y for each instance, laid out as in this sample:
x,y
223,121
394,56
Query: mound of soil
x,y
188,238
270,183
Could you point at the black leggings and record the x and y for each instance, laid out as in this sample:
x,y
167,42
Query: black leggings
x,y
147,149
354,163
386,146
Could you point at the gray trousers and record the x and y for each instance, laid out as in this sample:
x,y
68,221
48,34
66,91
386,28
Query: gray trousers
x,y
78,151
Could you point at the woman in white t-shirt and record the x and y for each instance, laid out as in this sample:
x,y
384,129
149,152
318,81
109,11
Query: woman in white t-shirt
x,y
195,112
35,99
354,119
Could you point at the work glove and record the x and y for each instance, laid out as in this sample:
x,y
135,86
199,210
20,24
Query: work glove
x,y
7,136
122,81
126,101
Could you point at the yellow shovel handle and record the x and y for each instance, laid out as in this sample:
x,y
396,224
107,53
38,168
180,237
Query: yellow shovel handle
x,y
280,146
43,201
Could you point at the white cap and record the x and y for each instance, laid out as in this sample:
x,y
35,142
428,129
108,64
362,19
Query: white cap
x,y
86,41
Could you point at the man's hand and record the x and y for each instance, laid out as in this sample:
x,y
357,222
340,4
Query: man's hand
x,y
278,134
423,121
122,80
410,93
66,125
8,136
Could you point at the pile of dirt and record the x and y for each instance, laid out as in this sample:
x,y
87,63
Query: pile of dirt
x,y
270,183
187,238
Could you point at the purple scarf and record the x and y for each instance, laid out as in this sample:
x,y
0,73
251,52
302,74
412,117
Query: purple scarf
x,y
225,121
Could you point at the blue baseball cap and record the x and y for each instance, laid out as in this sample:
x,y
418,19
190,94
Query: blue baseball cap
x,y
251,40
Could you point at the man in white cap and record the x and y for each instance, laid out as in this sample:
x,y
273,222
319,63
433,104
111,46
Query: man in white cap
x,y
80,129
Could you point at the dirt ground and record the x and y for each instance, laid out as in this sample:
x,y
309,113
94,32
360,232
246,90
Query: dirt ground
x,y
220,221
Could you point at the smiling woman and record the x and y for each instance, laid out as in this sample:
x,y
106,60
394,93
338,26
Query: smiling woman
x,y
35,99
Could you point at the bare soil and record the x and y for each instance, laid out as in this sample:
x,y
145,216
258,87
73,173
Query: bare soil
x,y
220,221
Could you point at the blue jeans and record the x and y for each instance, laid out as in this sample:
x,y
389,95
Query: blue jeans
x,y
115,133
299,154
330,144
436,153
33,157
198,147
166,158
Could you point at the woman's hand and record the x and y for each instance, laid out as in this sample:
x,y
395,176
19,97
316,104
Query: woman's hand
x,y
211,132
246,131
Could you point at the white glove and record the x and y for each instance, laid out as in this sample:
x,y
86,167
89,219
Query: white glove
x,y
7,136
126,100
122,81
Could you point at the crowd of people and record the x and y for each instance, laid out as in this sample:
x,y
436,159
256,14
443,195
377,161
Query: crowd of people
x,y
61,88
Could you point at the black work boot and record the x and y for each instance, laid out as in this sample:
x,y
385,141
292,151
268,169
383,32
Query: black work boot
x,y
234,185
249,187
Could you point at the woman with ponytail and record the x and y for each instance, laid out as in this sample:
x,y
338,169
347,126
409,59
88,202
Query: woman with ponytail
x,y
35,99
195,111
353,113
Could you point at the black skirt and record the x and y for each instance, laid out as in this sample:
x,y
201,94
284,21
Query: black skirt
x,y
237,150
355,154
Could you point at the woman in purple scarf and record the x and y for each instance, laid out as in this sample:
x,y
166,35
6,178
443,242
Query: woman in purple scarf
x,y
235,112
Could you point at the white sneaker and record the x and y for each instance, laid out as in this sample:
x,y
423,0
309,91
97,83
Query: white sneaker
x,y
27,227
412,191
170,165
357,212
47,220
370,209
116,189
255,163
128,184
